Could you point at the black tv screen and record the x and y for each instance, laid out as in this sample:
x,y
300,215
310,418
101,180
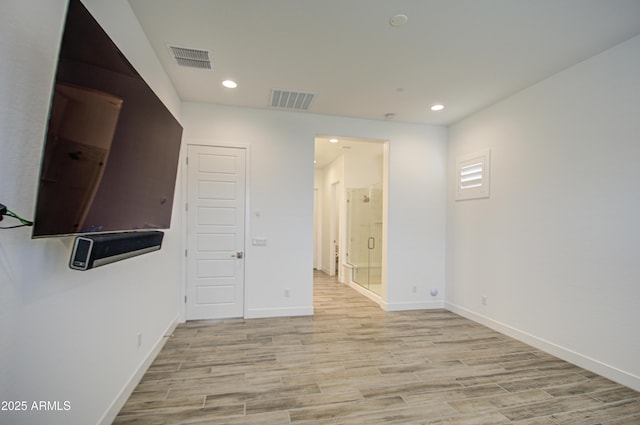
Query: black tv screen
x,y
111,151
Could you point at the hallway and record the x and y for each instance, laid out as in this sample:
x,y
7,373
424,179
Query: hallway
x,y
353,363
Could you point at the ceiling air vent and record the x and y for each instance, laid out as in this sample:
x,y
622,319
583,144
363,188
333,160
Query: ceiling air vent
x,y
292,100
192,58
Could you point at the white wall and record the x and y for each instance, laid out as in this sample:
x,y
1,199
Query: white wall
x,y
68,335
281,190
363,165
555,247
416,218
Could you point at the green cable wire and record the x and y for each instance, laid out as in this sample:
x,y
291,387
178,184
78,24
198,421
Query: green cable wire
x,y
20,219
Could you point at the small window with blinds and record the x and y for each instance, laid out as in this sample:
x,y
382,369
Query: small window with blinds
x,y
472,176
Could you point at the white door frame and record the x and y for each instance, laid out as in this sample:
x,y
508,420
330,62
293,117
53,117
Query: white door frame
x,y
317,229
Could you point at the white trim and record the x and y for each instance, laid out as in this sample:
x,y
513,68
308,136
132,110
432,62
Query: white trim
x,y
367,293
384,291
402,306
416,305
563,353
247,216
183,168
263,313
117,404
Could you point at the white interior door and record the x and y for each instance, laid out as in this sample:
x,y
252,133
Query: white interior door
x,y
215,232
334,225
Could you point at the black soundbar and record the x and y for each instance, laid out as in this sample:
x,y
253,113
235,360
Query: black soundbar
x,y
91,251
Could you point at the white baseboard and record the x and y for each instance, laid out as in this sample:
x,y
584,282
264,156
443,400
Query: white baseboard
x,y
372,296
563,353
417,305
263,313
125,393
403,306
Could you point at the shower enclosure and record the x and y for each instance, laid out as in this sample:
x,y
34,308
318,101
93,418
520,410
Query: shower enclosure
x,y
364,236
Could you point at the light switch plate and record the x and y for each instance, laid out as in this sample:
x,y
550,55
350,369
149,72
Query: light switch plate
x,y
259,241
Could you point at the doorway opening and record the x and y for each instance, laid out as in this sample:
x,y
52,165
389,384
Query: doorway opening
x,y
350,210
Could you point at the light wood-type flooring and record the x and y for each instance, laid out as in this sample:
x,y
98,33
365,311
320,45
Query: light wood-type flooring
x,y
353,363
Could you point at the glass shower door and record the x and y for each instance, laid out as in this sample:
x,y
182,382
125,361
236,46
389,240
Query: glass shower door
x,y
364,250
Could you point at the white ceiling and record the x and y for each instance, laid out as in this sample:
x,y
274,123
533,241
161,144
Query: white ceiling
x,y
465,54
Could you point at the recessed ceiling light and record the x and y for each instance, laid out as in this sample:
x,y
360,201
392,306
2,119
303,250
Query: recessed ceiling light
x,y
333,140
437,107
230,84
398,20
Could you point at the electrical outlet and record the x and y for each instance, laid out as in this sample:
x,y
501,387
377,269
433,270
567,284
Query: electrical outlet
x,y
287,292
415,289
484,300
139,340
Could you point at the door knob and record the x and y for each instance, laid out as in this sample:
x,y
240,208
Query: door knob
x,y
238,255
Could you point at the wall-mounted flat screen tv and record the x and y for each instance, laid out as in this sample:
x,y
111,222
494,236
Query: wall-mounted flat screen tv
x,y
111,151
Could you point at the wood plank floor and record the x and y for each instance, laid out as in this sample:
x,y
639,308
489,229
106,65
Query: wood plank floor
x,y
353,363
